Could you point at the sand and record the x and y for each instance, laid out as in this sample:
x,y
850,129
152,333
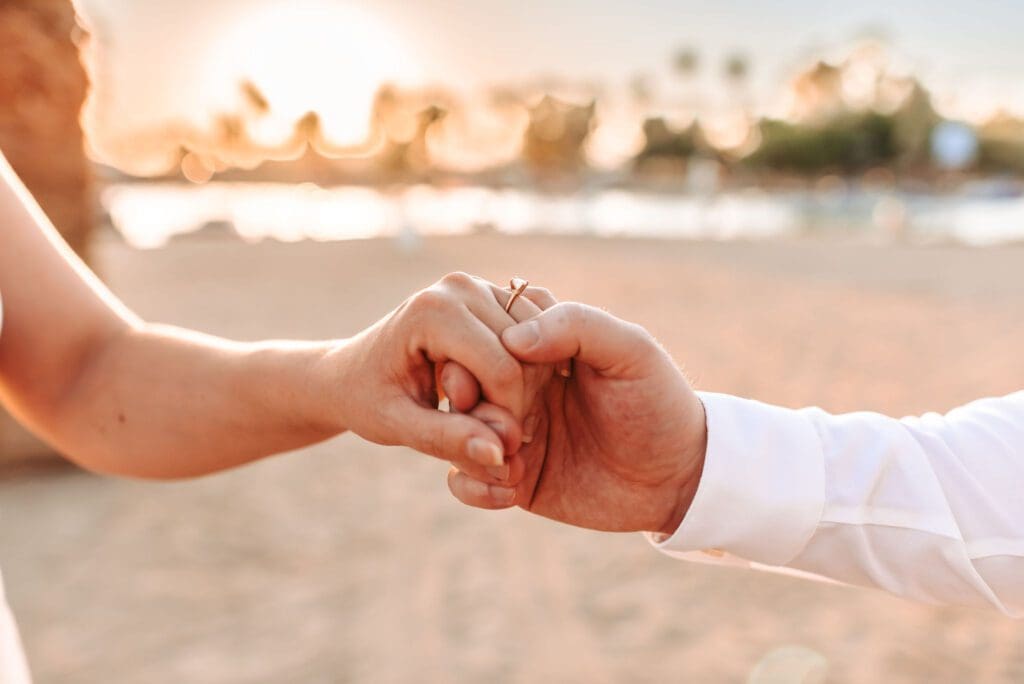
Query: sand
x,y
349,562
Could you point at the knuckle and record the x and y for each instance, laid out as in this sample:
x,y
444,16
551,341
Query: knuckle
x,y
507,371
574,315
642,335
429,300
437,441
539,291
458,280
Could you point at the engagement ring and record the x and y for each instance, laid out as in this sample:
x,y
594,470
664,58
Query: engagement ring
x,y
518,286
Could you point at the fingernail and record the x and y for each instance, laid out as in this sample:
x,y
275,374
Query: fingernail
x,y
485,453
498,472
502,495
522,337
529,426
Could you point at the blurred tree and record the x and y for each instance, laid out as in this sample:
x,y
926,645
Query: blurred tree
x,y
42,88
817,93
554,141
666,151
685,62
405,120
913,123
737,67
641,90
848,143
1001,144
411,157
254,98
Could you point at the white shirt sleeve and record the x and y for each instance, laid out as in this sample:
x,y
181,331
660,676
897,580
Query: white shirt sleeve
x,y
930,508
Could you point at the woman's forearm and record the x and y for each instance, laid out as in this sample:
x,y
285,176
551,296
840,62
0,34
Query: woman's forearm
x,y
161,402
122,396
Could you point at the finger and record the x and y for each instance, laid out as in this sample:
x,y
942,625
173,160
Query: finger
x,y
479,350
463,391
455,380
522,308
479,494
459,385
572,330
502,423
448,436
541,296
544,300
489,309
508,475
487,301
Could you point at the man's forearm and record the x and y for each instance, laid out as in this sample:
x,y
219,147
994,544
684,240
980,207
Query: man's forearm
x,y
928,508
161,402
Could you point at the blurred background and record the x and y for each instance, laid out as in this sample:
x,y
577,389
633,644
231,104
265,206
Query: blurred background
x,y
808,203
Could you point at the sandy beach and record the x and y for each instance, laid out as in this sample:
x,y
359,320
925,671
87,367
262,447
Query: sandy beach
x,y
350,563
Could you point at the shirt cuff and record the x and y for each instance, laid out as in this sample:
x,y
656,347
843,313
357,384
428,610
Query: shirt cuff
x,y
762,491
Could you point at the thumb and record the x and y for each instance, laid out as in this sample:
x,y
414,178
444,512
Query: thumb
x,y
607,344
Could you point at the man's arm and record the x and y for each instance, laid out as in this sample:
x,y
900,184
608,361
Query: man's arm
x,y
122,396
929,508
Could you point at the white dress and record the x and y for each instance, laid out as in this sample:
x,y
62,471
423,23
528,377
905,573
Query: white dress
x,y
13,668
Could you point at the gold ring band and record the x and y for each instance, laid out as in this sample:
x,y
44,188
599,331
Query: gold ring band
x,y
518,286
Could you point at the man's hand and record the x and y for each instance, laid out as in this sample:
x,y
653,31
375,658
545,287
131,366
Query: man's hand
x,y
619,445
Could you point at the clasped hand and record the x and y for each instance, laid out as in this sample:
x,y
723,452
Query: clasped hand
x,y
617,445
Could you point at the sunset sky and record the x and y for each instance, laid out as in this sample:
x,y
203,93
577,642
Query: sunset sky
x,y
168,59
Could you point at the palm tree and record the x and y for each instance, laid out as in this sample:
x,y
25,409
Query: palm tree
x,y
737,68
641,90
686,64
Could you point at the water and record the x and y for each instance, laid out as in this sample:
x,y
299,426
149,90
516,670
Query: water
x,y
148,215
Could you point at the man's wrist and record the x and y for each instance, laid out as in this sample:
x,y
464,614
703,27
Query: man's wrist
x,y
762,489
691,466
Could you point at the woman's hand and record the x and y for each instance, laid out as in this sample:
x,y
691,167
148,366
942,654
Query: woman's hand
x,y
385,380
122,396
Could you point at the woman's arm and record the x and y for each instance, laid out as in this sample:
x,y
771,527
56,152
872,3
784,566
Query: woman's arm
x,y
119,395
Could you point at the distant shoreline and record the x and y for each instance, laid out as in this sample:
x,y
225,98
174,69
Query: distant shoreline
x,y
151,214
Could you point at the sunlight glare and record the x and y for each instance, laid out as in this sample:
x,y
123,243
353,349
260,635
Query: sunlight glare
x,y
311,55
